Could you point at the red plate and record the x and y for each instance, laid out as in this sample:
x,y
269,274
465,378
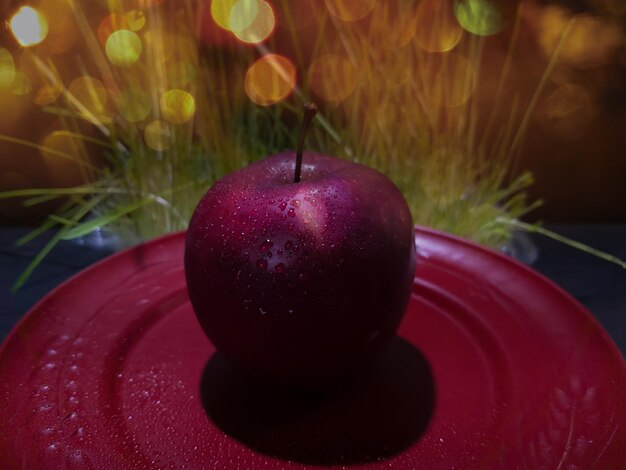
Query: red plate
x,y
496,368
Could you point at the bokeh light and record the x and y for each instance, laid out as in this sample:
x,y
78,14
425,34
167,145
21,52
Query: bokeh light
x,y
123,47
93,96
158,136
178,106
393,23
136,20
220,12
261,27
449,80
437,28
7,69
568,111
109,25
47,94
134,104
43,79
242,14
480,17
591,42
350,10
270,79
332,78
29,26
62,28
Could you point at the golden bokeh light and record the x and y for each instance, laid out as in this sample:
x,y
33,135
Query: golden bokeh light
x,y
47,94
109,25
261,27
568,111
95,105
136,20
158,136
62,28
42,78
393,23
7,69
178,106
480,17
591,42
449,80
242,14
332,77
270,79
28,26
220,12
134,104
350,10
437,28
123,47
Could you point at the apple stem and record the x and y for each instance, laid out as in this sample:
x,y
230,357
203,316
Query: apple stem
x,y
310,110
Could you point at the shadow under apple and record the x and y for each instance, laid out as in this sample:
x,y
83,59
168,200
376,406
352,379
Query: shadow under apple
x,y
367,420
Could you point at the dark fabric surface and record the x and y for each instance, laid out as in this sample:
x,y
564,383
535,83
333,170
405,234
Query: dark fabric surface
x,y
597,284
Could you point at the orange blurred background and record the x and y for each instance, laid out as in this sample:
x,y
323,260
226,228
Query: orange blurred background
x,y
574,145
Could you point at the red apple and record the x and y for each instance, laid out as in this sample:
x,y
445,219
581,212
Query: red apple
x,y
301,281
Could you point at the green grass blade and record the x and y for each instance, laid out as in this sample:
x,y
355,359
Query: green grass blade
x,y
88,227
80,213
59,192
567,241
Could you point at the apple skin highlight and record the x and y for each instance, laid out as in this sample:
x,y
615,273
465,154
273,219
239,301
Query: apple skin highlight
x,y
301,282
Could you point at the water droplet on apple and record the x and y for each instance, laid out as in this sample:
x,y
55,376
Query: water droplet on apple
x,y
295,203
291,213
291,310
261,264
283,205
280,267
289,245
261,311
265,246
303,276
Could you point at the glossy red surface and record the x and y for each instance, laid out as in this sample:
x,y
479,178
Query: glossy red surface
x,y
495,367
